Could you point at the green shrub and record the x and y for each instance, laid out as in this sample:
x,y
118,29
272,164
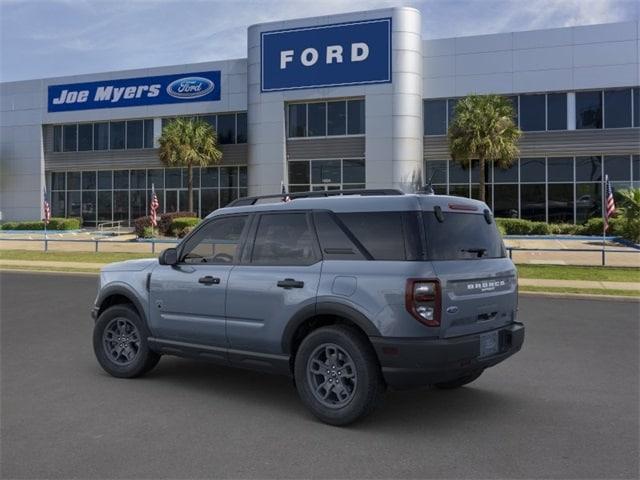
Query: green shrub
x,y
180,227
139,225
55,223
148,232
563,228
164,224
517,226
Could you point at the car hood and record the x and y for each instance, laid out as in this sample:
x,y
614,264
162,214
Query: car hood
x,y
130,265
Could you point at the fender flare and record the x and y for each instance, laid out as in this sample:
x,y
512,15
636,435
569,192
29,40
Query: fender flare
x,y
326,308
125,291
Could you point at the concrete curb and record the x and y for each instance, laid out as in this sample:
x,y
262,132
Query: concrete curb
x,y
581,296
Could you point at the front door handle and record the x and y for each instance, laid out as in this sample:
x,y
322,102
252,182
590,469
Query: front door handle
x,y
209,280
290,283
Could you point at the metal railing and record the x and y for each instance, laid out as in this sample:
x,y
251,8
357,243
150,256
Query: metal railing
x,y
114,224
603,252
95,241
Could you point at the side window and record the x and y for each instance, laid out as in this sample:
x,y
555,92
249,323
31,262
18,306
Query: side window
x,y
216,243
334,242
380,233
284,239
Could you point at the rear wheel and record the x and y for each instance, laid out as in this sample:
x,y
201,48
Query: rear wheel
x,y
337,375
120,343
460,381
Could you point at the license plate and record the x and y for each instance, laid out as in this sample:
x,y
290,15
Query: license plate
x,y
489,344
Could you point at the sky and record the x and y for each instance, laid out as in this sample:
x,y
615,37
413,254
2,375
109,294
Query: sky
x,y
49,38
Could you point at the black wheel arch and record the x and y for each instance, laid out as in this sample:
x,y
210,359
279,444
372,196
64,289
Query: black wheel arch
x,y
321,313
117,295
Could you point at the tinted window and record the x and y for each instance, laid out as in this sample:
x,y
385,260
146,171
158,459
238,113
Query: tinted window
x,y
532,112
617,108
353,171
283,239
228,177
105,180
227,128
242,128
617,167
209,177
298,172
334,242
135,134
506,175
532,170
588,201
589,109
436,170
325,171
460,232
101,136
73,180
505,202
156,178
117,135
57,138
560,169
317,113
70,138
560,202
298,120
435,117
636,107
215,243
457,174
532,202
138,179
89,180
57,181
121,179
337,118
556,111
588,169
381,234
635,160
355,117
148,134
85,137
451,109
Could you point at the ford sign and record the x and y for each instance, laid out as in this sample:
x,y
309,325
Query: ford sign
x,y
190,87
134,92
353,53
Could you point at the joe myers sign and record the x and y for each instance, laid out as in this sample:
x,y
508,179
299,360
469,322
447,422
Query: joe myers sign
x,y
328,55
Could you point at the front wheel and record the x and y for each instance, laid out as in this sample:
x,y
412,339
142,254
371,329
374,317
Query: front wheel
x,y
460,381
120,343
337,375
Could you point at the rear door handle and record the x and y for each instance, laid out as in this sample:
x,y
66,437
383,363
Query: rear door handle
x,y
290,283
209,280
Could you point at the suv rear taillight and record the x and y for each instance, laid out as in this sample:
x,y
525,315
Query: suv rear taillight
x,y
422,300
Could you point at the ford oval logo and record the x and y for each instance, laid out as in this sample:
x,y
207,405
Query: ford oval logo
x,y
190,87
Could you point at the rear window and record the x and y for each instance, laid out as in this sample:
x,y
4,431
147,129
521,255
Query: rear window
x,y
462,236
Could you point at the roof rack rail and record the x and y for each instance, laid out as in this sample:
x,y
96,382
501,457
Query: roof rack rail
x,y
244,201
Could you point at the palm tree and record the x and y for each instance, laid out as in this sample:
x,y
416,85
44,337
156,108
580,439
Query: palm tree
x,y
484,129
189,143
630,212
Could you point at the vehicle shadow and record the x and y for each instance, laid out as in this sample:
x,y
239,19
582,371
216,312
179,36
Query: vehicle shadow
x,y
410,409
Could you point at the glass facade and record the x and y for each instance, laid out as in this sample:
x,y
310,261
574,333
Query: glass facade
x,y
310,175
326,119
552,189
230,127
106,195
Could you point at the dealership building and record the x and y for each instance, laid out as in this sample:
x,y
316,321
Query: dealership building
x,y
348,101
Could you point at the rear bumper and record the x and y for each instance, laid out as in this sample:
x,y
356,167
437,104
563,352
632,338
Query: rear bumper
x,y
410,363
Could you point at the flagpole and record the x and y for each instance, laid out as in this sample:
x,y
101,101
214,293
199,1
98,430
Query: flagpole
x,y
603,197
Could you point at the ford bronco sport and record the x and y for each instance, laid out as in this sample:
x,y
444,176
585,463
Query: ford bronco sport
x,y
348,294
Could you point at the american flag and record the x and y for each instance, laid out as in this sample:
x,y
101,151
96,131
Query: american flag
x,y
610,204
46,208
153,207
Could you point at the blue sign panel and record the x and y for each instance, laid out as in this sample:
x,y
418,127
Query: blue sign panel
x,y
134,92
352,53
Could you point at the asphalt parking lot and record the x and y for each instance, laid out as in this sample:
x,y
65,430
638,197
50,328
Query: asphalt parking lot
x,y
564,407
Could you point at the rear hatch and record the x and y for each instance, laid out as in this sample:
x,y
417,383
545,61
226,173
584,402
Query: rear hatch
x,y
477,280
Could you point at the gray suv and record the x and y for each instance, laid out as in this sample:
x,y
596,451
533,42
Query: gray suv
x,y
347,292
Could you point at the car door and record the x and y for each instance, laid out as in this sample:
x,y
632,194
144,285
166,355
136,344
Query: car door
x,y
187,300
277,277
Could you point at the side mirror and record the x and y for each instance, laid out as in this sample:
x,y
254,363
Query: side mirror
x,y
168,257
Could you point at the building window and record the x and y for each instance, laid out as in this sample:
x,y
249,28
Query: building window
x,y
436,171
533,112
135,134
85,137
588,169
298,120
317,119
101,136
505,201
58,181
227,128
452,103
556,111
309,175
617,108
337,118
73,180
148,133
588,201
636,107
355,117
241,128
435,117
589,109
560,202
57,138
70,137
532,170
532,202
618,167
117,135
560,169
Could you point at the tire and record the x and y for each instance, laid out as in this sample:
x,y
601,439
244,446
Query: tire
x,y
122,323
338,353
459,382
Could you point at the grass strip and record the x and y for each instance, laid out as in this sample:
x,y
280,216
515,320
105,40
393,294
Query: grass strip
x,y
577,272
62,256
583,291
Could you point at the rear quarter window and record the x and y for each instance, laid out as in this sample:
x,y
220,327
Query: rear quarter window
x,y
462,236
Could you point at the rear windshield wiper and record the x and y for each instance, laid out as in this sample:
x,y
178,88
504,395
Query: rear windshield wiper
x,y
479,251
